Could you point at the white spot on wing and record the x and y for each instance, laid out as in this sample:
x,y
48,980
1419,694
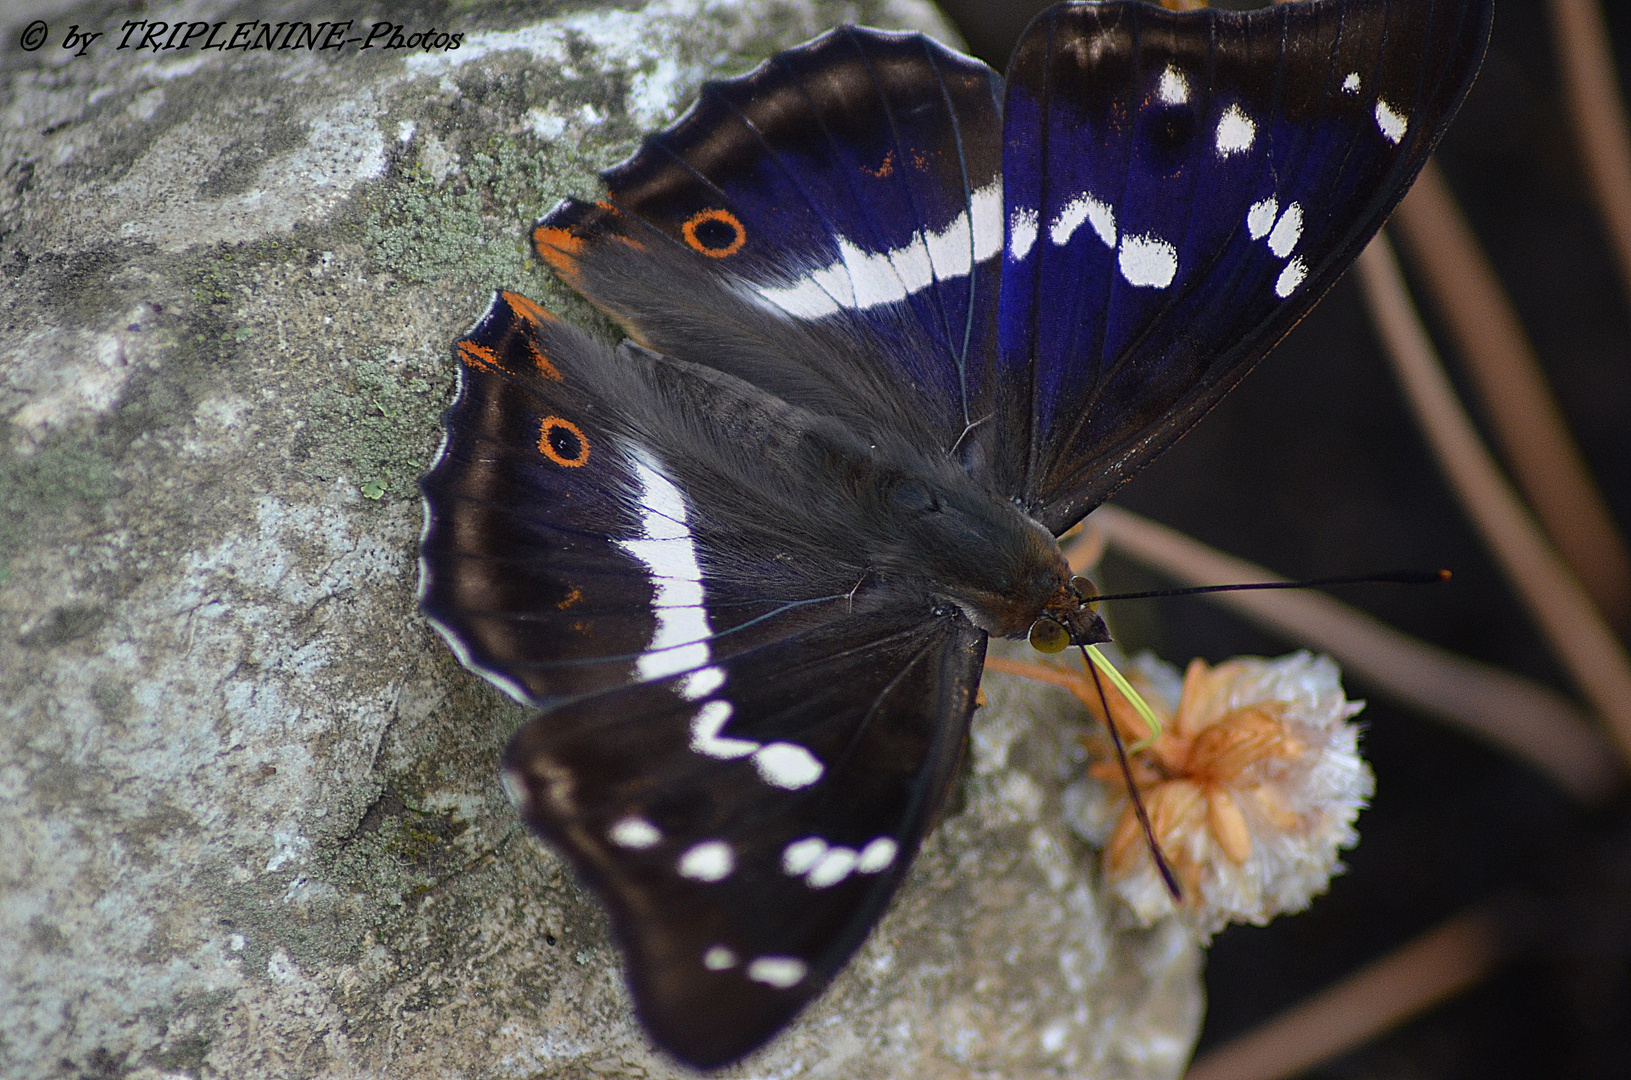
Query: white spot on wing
x,y
809,297
800,855
1287,231
718,958
679,642
778,971
1236,132
1084,207
913,267
1173,88
634,832
1291,277
702,682
1260,217
1069,220
1350,85
877,855
1147,261
705,738
780,764
786,765
861,279
969,239
1389,123
987,204
1021,233
834,867
1103,220
873,277
711,860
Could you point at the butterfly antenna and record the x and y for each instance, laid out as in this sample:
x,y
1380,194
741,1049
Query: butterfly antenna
x,y
1143,814
1392,577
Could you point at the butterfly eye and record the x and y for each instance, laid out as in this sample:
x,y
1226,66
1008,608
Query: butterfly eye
x,y
1048,636
1083,588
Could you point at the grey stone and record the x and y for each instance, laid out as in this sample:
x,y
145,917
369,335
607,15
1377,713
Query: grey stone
x,y
248,808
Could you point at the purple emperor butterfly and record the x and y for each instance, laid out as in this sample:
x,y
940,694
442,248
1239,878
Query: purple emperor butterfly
x,y
895,323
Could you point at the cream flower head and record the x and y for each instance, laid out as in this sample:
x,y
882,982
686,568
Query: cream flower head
x,y
1252,788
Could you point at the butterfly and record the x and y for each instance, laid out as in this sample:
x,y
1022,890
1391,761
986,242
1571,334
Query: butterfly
x,y
894,324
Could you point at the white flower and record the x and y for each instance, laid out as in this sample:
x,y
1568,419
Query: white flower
x,y
1252,788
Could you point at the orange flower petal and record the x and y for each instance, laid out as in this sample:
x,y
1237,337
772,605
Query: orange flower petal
x,y
1228,824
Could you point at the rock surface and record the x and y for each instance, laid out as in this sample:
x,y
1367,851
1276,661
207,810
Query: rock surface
x,y
248,809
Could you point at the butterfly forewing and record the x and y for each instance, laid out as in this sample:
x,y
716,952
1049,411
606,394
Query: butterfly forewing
x,y
747,821
835,218
1179,190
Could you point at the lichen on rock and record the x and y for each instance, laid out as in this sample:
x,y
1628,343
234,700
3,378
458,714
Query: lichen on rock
x,y
248,799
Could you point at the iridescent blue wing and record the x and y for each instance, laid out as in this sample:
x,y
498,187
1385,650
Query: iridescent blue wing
x,y
745,734
1179,189
828,227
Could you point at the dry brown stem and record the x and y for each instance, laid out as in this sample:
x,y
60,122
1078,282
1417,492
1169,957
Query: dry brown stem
x,y
1593,95
1588,650
1514,394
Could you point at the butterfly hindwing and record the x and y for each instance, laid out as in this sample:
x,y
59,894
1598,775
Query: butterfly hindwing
x,y
828,227
1179,190
519,559
560,556
747,821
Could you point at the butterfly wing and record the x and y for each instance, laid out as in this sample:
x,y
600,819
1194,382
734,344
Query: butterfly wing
x,y
828,227
1179,190
558,543
521,568
745,736
746,841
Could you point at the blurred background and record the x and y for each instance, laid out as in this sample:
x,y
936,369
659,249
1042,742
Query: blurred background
x,y
1315,467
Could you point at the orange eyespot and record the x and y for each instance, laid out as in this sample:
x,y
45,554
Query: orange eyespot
x,y
714,233
563,442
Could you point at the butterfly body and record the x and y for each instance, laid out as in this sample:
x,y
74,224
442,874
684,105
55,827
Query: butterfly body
x,y
894,328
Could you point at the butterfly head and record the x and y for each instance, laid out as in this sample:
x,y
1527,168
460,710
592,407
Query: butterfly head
x,y
1069,618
